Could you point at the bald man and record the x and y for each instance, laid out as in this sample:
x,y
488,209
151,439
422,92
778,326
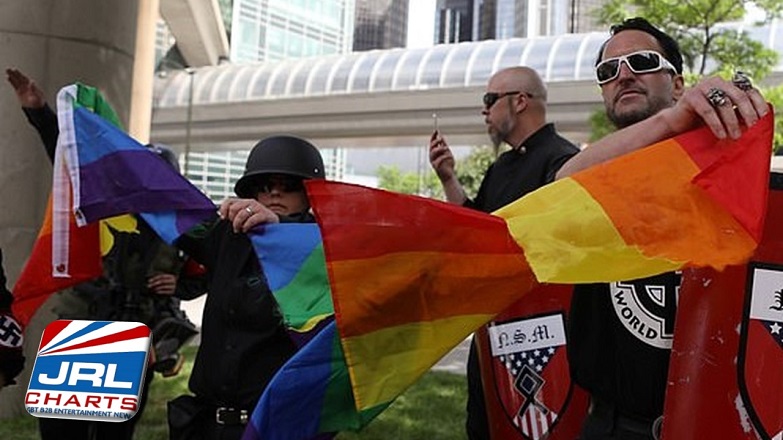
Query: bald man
x,y
514,113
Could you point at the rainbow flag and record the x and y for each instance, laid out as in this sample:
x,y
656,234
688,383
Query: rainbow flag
x,y
63,254
111,174
40,277
292,256
412,277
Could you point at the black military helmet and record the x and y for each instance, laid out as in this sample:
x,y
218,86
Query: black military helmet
x,y
280,155
166,154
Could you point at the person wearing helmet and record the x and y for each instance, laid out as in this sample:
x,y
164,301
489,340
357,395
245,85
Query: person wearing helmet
x,y
273,183
244,341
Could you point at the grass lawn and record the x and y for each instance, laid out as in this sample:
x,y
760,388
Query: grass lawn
x,y
433,409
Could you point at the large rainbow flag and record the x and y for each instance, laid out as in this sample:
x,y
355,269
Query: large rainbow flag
x,y
410,278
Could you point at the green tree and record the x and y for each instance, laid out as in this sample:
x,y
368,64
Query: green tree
x,y
470,172
471,169
775,96
695,26
708,48
392,179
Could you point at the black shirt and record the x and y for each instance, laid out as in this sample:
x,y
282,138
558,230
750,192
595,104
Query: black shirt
x,y
519,171
620,337
243,340
11,356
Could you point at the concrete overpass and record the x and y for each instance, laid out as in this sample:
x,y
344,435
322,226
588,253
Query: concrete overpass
x,y
382,97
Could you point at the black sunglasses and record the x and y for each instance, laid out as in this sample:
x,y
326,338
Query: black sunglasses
x,y
490,98
283,184
643,61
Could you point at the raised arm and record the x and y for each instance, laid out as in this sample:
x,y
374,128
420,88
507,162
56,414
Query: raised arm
x,y
38,113
691,110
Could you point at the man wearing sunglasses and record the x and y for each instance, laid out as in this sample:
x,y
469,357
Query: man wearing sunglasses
x,y
515,113
620,334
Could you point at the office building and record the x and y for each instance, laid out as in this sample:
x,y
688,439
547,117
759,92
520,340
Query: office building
x,y
380,24
473,20
270,30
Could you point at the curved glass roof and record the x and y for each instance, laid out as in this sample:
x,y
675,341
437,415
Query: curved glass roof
x,y
559,58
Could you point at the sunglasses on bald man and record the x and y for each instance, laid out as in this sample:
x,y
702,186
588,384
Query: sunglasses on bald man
x,y
490,98
643,61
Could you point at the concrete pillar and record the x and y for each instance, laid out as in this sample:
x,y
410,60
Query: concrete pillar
x,y
55,43
143,71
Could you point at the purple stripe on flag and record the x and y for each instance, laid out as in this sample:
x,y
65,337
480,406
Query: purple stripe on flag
x,y
169,225
290,408
135,181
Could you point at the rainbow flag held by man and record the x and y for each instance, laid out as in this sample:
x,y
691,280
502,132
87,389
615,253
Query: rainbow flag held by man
x,y
426,274
410,277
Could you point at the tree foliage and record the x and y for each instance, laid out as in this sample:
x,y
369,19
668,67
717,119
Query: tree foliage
x,y
426,185
471,169
470,172
708,46
775,96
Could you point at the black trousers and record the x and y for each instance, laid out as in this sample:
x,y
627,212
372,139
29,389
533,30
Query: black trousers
x,y
605,422
476,425
64,429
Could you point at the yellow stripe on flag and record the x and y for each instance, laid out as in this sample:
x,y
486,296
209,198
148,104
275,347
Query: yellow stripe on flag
x,y
387,365
560,252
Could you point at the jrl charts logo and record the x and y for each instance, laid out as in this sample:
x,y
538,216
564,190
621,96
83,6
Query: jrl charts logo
x,y
89,370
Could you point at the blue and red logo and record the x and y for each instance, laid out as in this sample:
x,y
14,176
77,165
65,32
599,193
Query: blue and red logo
x,y
89,370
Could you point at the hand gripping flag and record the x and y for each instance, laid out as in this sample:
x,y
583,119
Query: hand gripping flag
x,y
411,277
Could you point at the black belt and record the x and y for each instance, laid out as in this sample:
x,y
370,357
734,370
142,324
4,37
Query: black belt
x,y
230,416
647,427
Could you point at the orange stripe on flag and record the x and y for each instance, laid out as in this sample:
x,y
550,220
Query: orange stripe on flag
x,y
36,281
670,218
425,286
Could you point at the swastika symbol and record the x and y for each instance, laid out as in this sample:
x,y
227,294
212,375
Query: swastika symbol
x,y
10,332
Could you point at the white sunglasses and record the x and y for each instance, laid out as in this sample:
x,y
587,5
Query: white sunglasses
x,y
643,61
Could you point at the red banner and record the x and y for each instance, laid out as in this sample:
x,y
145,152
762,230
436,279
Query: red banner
x,y
524,368
726,371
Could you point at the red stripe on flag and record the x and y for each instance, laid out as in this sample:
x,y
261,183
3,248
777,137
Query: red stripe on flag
x,y
36,283
740,197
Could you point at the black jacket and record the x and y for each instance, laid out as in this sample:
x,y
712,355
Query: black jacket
x,y
243,341
11,358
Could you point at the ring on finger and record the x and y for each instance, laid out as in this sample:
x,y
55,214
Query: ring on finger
x,y
717,97
249,210
742,81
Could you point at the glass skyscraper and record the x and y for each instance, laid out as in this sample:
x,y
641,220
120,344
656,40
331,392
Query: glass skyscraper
x,y
473,20
272,30
269,30
380,24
